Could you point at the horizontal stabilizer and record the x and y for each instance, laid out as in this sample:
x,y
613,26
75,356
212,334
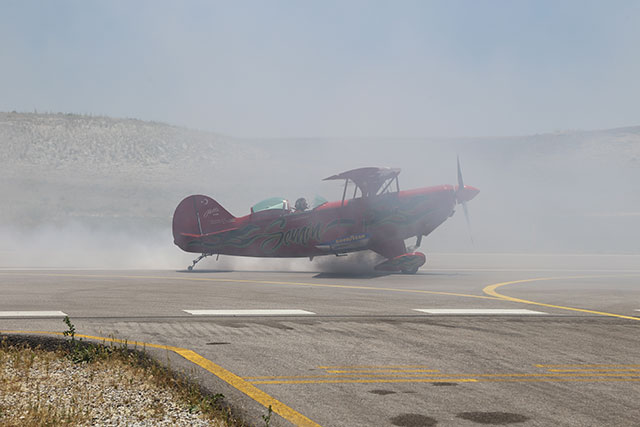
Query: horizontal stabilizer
x,y
207,234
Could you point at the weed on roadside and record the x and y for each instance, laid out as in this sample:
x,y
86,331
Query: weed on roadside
x,y
129,368
267,418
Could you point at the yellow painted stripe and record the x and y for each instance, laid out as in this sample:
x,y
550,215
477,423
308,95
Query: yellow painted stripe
x,y
588,366
337,376
286,377
104,339
491,290
560,375
338,381
503,380
445,379
260,282
248,389
225,375
376,367
373,371
594,370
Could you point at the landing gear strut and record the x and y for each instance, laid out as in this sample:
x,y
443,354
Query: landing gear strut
x,y
195,261
417,245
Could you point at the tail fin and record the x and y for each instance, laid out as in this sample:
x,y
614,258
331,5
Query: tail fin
x,y
198,215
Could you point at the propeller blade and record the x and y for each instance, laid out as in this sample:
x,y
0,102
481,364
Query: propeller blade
x,y
460,181
462,196
466,216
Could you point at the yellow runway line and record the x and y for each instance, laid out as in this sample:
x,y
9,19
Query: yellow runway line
x,y
588,366
505,380
259,282
376,367
278,377
557,375
248,389
595,370
390,380
379,371
232,379
435,376
453,380
491,290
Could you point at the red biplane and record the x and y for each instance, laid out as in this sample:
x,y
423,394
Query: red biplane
x,y
378,217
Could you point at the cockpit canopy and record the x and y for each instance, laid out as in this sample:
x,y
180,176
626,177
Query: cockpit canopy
x,y
280,203
271,203
318,201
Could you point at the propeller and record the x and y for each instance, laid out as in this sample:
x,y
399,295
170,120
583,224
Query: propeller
x,y
463,195
466,215
460,181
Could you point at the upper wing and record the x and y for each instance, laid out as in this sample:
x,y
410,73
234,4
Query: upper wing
x,y
369,180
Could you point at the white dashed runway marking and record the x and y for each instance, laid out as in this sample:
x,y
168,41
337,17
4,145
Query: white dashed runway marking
x,y
246,312
476,311
32,314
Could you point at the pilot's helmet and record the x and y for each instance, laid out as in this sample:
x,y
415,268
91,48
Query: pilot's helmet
x,y
301,204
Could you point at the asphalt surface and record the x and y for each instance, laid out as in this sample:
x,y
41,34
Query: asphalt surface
x,y
365,356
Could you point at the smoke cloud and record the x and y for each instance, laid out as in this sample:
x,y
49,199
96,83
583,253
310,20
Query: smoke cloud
x,y
274,97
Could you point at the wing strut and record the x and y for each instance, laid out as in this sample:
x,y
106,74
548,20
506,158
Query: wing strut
x,y
344,193
391,181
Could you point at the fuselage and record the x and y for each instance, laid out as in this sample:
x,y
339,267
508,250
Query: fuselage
x,y
332,228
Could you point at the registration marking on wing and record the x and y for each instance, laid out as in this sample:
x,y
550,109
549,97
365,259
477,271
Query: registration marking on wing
x,y
478,311
252,312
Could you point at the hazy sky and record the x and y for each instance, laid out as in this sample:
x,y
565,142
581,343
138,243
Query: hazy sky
x,y
328,68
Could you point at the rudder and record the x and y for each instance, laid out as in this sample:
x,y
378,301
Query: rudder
x,y
199,215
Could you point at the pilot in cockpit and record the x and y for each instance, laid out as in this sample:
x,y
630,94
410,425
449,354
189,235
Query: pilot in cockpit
x,y
301,205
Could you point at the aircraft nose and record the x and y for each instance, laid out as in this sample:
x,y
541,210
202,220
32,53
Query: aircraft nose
x,y
466,193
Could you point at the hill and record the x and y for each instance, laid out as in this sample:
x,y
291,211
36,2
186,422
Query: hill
x,y
565,191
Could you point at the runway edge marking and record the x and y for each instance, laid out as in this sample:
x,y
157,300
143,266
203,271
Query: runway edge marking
x,y
227,376
249,312
491,290
33,313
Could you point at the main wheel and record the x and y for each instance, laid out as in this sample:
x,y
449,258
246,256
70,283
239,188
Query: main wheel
x,y
190,268
413,270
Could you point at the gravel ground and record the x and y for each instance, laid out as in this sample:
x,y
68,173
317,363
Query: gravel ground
x,y
39,387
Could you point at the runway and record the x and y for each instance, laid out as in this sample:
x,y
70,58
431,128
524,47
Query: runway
x,y
549,342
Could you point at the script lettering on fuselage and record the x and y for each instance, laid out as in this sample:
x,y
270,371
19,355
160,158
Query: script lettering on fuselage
x,y
298,236
301,235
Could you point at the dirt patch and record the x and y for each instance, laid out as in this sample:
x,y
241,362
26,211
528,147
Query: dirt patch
x,y
382,392
413,420
494,418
